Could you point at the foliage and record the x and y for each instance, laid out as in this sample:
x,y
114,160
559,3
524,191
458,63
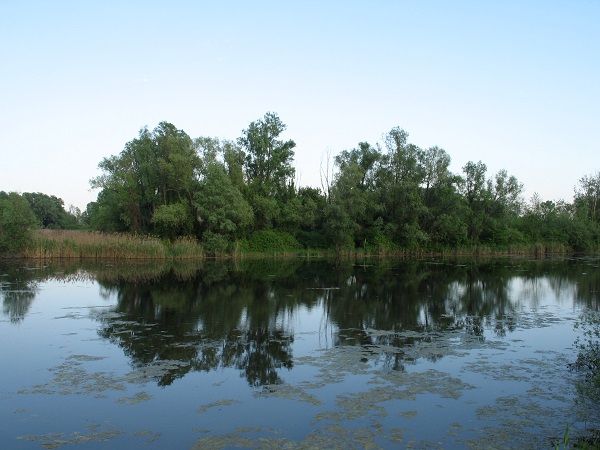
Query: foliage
x,y
268,169
16,222
173,220
214,244
390,196
159,168
268,160
50,211
588,358
270,241
220,206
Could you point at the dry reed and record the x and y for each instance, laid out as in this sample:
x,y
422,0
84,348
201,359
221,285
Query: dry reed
x,y
53,244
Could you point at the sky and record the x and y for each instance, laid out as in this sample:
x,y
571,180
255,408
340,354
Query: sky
x,y
512,83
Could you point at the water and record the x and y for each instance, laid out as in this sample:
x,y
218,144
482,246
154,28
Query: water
x,y
295,354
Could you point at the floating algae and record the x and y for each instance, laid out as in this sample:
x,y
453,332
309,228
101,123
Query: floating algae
x,y
56,440
217,404
137,398
287,391
155,370
71,378
333,437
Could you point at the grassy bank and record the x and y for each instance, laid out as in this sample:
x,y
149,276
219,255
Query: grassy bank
x,y
72,244
52,244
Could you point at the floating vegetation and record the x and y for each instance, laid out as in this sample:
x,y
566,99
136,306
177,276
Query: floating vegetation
x,y
137,398
393,361
287,391
217,404
71,378
57,440
333,437
155,370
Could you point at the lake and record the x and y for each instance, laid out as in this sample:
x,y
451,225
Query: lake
x,y
294,353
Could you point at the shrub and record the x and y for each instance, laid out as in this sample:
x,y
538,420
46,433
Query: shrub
x,y
271,241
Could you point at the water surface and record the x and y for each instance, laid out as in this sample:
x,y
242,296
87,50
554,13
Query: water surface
x,y
425,353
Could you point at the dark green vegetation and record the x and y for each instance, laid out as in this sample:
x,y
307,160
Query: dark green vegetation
x,y
242,196
588,359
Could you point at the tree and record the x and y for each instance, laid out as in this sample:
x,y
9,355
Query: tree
x,y
50,211
220,206
354,196
172,220
587,197
506,193
268,168
268,160
476,195
155,170
16,222
402,175
436,173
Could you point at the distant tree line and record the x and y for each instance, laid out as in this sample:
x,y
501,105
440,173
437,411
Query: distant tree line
x,y
389,197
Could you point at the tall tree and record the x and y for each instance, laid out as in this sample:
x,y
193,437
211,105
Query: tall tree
x,y
401,187
476,195
268,160
268,167
587,197
154,171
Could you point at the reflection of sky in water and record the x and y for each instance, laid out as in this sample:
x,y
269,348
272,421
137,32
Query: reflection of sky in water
x,y
58,342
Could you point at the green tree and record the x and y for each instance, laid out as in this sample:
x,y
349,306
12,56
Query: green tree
x,y
476,195
50,211
268,160
436,172
354,196
155,170
172,220
309,206
587,197
268,168
504,208
403,175
16,222
234,158
220,206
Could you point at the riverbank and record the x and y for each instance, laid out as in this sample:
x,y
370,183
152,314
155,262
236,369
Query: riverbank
x,y
78,244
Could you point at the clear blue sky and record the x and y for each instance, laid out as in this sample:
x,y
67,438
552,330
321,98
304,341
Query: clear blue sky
x,y
515,84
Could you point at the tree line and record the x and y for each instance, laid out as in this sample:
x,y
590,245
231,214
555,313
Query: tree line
x,y
392,196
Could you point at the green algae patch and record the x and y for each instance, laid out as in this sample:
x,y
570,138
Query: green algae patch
x,y
333,437
71,378
217,404
57,440
287,391
74,377
156,370
137,398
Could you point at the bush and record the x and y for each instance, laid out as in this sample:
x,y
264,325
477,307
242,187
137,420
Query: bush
x,y
271,241
214,244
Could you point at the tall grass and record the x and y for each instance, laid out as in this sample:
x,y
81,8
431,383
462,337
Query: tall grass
x,y
53,244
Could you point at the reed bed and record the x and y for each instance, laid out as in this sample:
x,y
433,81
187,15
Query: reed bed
x,y
54,244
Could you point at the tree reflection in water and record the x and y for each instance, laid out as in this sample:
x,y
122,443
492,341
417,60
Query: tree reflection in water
x,y
206,315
